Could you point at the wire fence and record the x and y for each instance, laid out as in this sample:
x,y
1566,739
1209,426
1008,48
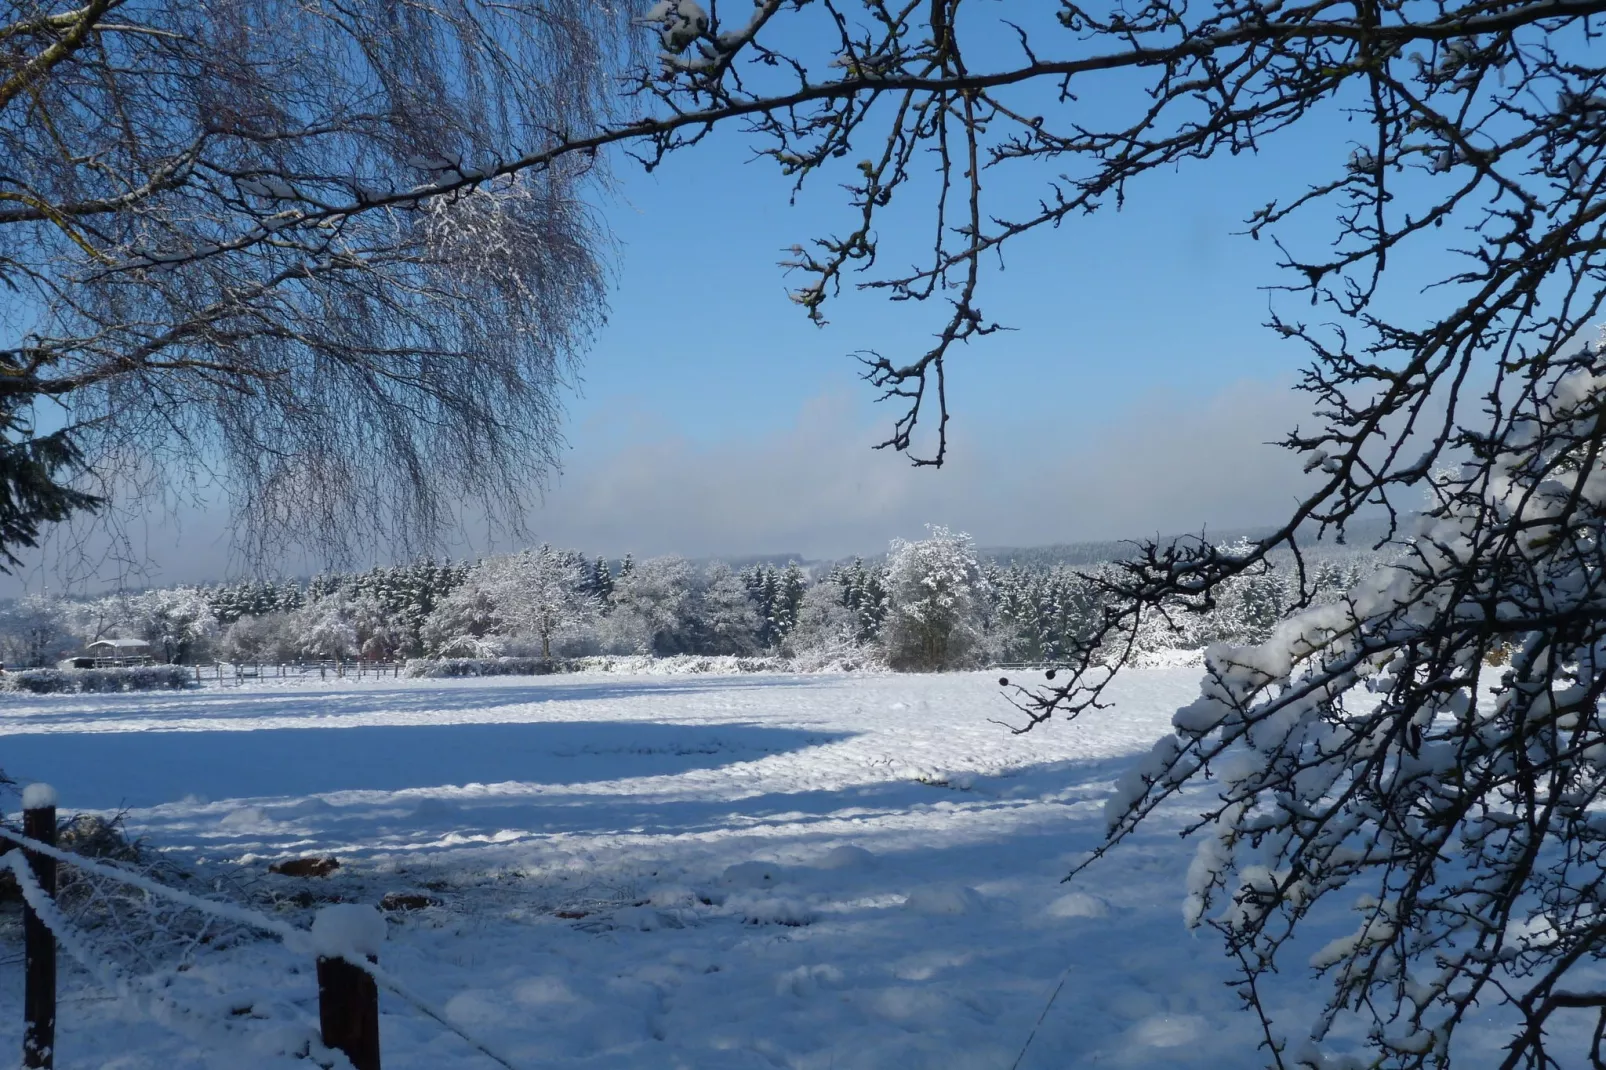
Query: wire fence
x,y
226,672
347,965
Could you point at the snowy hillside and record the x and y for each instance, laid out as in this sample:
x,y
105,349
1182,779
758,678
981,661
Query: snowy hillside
x,y
819,873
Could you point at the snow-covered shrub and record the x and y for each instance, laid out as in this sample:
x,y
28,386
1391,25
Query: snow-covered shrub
x,y
723,618
326,629
34,631
269,638
133,678
542,595
935,591
651,608
541,601
439,668
178,622
827,627
679,664
136,930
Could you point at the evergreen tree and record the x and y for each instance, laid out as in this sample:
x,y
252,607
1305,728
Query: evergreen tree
x,y
602,581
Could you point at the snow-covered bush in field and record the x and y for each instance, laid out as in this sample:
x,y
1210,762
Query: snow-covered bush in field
x,y
652,603
326,629
133,678
269,638
542,595
675,665
178,622
35,631
722,615
936,596
463,623
827,626
436,668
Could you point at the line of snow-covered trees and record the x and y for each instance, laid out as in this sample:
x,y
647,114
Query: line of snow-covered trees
x,y
931,604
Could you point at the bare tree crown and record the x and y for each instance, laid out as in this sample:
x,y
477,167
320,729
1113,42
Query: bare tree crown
x,y
1453,796
180,297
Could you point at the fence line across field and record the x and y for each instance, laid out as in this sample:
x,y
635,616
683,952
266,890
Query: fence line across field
x,y
240,671
45,928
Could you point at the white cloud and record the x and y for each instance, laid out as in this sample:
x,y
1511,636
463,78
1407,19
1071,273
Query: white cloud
x,y
1170,463
816,487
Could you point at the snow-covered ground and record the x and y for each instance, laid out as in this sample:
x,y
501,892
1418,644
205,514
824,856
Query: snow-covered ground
x,y
809,872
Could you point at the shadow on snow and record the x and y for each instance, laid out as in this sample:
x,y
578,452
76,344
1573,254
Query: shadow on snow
x,y
154,767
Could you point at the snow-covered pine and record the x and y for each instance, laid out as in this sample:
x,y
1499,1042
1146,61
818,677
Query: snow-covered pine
x,y
723,616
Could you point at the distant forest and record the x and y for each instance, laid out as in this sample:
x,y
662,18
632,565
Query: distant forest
x,y
930,604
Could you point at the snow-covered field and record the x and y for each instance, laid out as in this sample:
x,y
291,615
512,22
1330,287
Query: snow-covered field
x,y
819,873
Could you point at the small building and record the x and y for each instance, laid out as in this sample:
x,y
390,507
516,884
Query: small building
x,y
111,654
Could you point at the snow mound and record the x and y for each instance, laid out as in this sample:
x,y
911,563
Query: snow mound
x,y
435,809
644,919
1078,905
805,981
752,875
848,856
311,806
38,796
776,910
347,930
940,900
246,819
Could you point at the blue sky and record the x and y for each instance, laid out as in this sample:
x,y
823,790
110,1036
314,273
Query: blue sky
x,y
1133,396
1122,322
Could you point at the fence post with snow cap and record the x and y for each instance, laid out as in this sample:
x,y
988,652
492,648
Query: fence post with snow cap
x,y
39,944
348,997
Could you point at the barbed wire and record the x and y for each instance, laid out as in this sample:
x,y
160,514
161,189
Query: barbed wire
x,y
115,977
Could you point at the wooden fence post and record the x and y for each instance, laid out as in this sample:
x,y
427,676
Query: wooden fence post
x,y
348,998
39,943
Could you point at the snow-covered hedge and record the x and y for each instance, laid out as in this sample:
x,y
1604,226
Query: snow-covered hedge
x,y
135,678
679,664
436,668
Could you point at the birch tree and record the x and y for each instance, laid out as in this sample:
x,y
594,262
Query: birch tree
x,y
273,249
